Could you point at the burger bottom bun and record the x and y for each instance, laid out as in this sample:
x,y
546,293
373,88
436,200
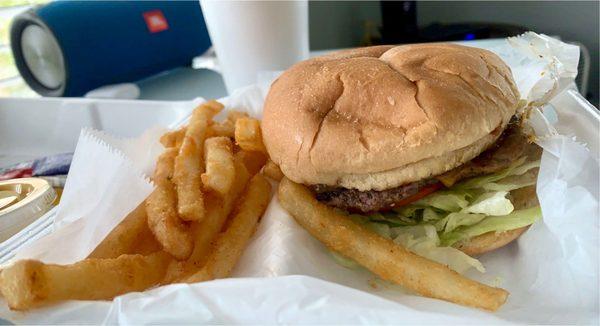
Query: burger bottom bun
x,y
489,241
521,199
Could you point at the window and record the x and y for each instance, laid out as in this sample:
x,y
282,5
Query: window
x,y
11,84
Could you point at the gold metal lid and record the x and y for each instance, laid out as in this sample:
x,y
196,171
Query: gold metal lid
x,y
22,201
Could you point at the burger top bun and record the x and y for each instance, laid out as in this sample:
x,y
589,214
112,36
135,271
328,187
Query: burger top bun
x,y
379,117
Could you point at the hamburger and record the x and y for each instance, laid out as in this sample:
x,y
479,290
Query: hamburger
x,y
409,139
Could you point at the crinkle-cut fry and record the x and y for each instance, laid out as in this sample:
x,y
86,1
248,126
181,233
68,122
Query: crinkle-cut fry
x,y
161,208
382,256
272,171
220,171
29,283
189,164
248,135
254,161
125,236
173,138
230,244
217,210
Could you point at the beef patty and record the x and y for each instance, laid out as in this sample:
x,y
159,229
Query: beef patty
x,y
511,145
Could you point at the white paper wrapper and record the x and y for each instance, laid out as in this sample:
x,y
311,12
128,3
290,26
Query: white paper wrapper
x,y
103,186
551,272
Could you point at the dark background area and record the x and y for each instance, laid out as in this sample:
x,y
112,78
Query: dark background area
x,y
342,24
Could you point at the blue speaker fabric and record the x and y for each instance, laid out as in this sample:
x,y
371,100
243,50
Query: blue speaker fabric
x,y
107,42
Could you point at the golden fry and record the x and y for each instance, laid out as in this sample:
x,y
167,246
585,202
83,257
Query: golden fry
x,y
254,161
231,243
227,127
124,237
248,135
163,171
382,256
180,137
220,170
233,116
30,283
145,243
217,210
272,171
189,163
221,129
173,138
170,232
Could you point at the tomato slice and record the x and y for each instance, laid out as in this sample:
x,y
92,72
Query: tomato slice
x,y
422,193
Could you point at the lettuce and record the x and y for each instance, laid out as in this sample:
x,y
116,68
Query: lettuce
x,y
393,219
449,201
429,214
381,229
513,182
514,220
440,225
408,210
454,220
487,204
491,203
423,240
517,168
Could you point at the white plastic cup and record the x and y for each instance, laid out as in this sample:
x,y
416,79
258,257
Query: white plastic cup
x,y
254,36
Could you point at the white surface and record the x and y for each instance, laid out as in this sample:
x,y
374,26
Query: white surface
x,y
551,272
252,36
31,128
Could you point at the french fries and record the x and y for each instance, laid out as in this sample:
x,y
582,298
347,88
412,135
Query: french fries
x,y
382,256
218,208
220,171
184,231
124,237
272,171
166,226
30,283
248,135
227,127
233,116
144,244
207,231
254,161
230,245
221,129
189,164
173,138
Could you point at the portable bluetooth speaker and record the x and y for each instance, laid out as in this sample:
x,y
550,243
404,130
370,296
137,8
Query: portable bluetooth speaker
x,y
67,48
